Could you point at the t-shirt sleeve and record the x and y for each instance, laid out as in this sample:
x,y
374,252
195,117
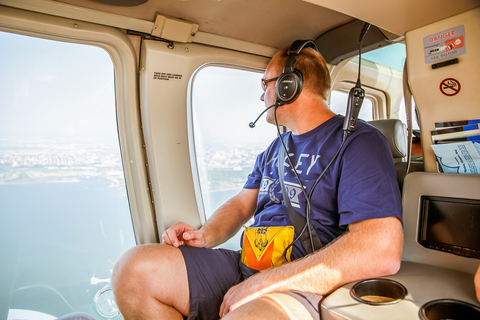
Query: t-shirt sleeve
x,y
255,177
368,186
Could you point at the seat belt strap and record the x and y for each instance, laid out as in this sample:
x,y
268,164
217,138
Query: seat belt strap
x,y
296,219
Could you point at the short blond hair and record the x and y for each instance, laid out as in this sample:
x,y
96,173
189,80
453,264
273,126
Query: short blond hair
x,y
314,69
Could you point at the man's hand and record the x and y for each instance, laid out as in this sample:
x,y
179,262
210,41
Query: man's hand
x,y
477,283
182,234
240,295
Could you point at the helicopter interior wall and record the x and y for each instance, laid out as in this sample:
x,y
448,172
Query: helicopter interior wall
x,y
448,185
380,82
165,105
425,82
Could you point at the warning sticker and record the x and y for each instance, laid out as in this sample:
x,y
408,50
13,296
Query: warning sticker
x,y
166,76
450,87
444,45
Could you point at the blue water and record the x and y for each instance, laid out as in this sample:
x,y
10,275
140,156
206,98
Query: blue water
x,y
59,242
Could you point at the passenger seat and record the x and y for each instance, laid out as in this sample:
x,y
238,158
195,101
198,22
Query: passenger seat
x,y
396,133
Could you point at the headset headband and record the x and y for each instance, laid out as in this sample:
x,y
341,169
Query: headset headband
x,y
294,50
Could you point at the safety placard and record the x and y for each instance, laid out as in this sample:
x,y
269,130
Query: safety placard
x,y
444,45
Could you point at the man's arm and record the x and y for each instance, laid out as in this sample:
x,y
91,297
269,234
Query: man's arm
x,y
229,218
371,248
221,226
477,283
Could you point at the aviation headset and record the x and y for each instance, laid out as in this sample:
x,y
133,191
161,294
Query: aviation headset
x,y
290,82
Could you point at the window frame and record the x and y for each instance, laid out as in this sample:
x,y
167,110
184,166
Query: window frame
x,y
378,97
122,53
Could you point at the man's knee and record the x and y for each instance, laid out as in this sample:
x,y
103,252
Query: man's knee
x,y
277,306
151,279
142,265
128,268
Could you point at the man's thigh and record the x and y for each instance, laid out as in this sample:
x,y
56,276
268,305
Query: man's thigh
x,y
279,306
211,273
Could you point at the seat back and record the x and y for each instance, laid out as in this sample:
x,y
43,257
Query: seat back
x,y
395,132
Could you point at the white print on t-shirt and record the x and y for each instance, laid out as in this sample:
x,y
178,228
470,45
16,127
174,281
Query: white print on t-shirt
x,y
271,187
268,186
293,191
300,163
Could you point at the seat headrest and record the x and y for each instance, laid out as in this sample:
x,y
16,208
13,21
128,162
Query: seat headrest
x,y
395,132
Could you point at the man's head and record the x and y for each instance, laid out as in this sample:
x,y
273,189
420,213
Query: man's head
x,y
316,77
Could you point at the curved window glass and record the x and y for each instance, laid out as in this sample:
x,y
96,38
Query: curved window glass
x,y
65,216
338,104
224,102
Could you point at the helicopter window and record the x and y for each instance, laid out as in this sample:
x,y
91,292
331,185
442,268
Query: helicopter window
x,y
224,102
338,104
65,213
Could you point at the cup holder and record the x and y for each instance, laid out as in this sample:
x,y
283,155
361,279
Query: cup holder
x,y
378,291
448,309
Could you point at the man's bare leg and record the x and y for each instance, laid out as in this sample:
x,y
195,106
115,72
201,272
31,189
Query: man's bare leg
x,y
275,306
150,282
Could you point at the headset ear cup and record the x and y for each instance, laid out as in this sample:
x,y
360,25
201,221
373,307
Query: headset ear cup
x,y
289,86
300,81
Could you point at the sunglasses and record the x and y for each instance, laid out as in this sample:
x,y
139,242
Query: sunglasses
x,y
265,82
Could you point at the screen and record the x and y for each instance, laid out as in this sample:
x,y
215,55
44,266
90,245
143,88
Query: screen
x,y
451,225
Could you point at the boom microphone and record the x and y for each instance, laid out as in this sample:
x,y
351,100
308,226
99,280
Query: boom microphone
x,y
252,124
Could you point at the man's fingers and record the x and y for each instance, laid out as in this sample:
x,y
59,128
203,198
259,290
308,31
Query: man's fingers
x,y
182,234
171,235
226,306
166,239
222,307
193,238
191,235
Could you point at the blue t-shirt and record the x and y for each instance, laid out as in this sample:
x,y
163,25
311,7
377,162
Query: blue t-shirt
x,y
361,184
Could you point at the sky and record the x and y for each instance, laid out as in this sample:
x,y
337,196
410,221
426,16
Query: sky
x,y
393,56
55,90
225,101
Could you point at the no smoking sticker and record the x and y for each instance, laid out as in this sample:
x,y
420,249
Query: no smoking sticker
x,y
450,87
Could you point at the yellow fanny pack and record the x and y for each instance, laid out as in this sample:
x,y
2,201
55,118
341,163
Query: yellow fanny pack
x,y
263,247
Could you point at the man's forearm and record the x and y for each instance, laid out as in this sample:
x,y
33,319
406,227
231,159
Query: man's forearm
x,y
369,250
229,218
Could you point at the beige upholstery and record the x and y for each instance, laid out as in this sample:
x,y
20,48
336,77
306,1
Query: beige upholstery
x,y
423,282
449,185
395,132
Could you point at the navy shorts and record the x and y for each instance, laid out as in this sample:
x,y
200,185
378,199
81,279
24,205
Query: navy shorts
x,y
212,272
